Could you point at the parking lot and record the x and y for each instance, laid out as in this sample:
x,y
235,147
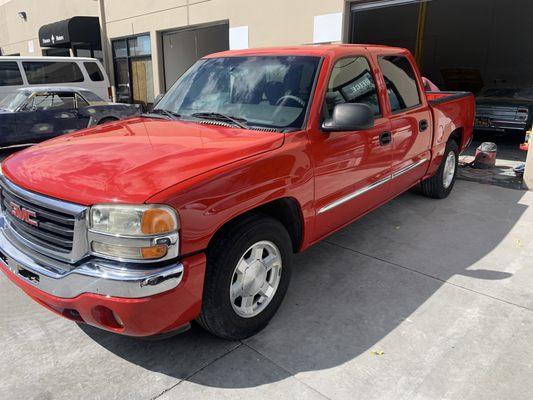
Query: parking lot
x,y
421,299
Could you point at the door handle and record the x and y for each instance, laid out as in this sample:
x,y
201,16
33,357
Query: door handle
x,y
423,125
385,138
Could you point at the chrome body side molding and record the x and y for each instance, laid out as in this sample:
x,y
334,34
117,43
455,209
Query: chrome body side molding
x,y
372,186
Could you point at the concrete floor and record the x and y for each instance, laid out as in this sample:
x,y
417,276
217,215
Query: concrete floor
x,y
421,299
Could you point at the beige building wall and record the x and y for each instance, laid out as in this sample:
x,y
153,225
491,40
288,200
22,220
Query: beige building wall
x,y
15,33
269,22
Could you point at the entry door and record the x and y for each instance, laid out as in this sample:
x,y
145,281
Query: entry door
x,y
411,122
352,169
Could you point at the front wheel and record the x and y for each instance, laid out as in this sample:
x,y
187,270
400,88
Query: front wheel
x,y
247,275
441,184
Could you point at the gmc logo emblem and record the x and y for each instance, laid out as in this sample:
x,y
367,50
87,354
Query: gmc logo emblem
x,y
23,214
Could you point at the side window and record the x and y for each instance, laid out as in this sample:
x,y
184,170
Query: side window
x,y
52,101
352,82
401,82
45,72
93,71
10,74
81,102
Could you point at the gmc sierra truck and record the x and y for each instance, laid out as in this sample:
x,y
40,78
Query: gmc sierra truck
x,y
193,211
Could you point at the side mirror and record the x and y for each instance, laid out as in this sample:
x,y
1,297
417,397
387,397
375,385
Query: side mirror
x,y
349,117
158,98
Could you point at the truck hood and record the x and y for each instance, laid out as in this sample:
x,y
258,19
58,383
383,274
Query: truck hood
x,y
130,161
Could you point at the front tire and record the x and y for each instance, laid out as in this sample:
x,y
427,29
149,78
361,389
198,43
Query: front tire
x,y
441,184
247,275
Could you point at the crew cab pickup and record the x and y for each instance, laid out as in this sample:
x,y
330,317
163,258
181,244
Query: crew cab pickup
x,y
193,212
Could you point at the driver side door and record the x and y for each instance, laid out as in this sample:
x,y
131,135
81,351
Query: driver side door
x,y
352,169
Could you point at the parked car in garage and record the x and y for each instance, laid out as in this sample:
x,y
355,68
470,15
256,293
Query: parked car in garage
x,y
195,210
32,115
505,110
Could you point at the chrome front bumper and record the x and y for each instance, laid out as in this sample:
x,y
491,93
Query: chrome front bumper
x,y
93,276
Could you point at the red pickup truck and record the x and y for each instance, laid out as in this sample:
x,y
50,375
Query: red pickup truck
x,y
192,212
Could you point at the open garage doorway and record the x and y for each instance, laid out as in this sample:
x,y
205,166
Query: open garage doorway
x,y
487,40
182,48
481,46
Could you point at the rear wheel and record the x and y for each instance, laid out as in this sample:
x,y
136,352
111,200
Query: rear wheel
x,y
441,184
247,275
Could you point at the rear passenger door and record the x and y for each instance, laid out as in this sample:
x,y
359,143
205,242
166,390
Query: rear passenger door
x,y
410,119
352,169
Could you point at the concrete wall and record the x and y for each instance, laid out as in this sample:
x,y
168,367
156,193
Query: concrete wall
x,y
15,33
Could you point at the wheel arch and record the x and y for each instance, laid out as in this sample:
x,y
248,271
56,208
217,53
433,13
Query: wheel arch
x,y
286,210
458,136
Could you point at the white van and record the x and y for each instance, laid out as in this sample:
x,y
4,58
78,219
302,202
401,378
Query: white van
x,y
87,73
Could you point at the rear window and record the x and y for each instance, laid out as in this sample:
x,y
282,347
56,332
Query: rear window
x,y
94,71
401,82
46,72
10,74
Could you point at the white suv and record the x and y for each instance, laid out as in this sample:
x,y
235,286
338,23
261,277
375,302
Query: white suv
x,y
86,73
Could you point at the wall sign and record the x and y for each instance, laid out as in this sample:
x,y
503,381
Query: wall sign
x,y
328,28
238,38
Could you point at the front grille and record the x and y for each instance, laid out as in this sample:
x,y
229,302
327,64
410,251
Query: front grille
x,y
49,226
54,230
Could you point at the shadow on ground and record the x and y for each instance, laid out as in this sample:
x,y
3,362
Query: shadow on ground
x,y
355,288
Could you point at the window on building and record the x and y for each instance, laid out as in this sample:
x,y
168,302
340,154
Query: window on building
x,y
10,74
94,71
133,70
46,72
352,82
401,82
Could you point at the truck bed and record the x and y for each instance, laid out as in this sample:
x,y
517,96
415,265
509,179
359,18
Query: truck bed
x,y
451,110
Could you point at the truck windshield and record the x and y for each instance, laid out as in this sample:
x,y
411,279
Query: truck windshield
x,y
261,91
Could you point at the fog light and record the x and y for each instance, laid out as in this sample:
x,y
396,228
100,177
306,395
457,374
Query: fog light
x,y
133,253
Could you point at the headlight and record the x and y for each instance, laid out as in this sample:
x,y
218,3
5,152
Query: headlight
x,y
133,232
133,220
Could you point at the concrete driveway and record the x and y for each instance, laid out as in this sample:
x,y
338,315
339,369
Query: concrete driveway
x,y
421,299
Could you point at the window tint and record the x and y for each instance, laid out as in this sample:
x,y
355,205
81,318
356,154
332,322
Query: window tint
x,y
352,82
401,82
94,71
51,101
10,74
42,72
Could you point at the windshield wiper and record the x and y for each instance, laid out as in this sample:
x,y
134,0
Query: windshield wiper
x,y
160,112
240,122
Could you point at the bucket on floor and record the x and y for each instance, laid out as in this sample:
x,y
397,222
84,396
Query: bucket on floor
x,y
485,156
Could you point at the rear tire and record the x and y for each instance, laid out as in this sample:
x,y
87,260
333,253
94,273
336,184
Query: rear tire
x,y
247,275
440,185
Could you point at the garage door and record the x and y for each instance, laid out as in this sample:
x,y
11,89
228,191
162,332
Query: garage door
x,y
182,48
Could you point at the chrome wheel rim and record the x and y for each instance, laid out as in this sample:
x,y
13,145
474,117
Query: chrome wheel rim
x,y
255,279
449,170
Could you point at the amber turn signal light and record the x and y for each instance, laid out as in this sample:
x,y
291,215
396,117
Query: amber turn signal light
x,y
157,220
150,253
